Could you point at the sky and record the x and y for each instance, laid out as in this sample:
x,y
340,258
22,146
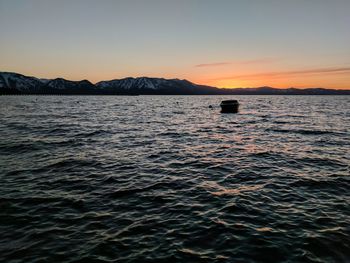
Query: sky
x,y
224,43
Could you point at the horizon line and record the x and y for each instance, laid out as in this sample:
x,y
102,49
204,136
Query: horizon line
x,y
250,87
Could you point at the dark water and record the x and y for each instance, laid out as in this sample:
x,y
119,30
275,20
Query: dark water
x,y
166,179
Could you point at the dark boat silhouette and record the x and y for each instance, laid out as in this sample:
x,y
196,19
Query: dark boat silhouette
x,y
229,106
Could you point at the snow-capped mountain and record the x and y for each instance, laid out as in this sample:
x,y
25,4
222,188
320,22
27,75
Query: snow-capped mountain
x,y
18,82
130,83
14,83
62,85
145,85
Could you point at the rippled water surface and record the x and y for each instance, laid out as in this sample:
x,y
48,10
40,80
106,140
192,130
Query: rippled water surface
x,y
166,179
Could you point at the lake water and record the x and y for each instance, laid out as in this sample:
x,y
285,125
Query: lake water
x,y
166,179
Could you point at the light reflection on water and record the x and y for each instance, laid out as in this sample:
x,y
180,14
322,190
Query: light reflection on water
x,y
165,178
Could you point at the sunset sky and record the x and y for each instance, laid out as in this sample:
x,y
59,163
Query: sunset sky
x,y
224,43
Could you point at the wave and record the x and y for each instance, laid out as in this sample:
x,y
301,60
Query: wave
x,y
305,132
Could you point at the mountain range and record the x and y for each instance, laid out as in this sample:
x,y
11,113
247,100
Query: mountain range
x,y
18,84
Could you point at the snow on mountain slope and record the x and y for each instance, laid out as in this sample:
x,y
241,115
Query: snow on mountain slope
x,y
143,83
58,83
19,82
13,83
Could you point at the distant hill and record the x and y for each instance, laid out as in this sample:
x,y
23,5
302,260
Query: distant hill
x,y
14,83
289,91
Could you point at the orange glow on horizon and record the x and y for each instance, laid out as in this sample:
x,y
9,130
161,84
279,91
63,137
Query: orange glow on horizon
x,y
232,84
329,78
302,84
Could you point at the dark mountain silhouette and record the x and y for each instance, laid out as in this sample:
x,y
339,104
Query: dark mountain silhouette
x,y
62,86
14,83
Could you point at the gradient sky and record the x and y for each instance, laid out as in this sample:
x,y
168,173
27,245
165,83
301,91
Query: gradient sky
x,y
225,43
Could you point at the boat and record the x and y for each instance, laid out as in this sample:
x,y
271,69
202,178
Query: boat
x,y
229,106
